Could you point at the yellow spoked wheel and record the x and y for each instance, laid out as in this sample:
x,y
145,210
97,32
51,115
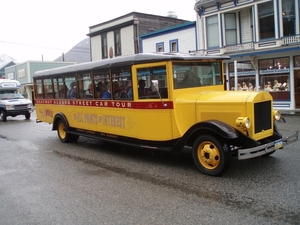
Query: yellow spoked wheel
x,y
210,155
62,132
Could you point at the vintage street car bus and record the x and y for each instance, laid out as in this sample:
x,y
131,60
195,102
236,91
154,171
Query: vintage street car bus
x,y
12,102
160,101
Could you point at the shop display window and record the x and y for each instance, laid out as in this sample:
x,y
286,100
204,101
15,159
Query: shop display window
x,y
273,65
277,85
297,61
244,83
245,76
275,77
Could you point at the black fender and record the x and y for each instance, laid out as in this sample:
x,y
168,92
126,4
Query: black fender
x,y
56,118
223,131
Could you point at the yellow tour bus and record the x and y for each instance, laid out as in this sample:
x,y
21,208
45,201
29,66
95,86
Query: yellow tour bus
x,y
160,101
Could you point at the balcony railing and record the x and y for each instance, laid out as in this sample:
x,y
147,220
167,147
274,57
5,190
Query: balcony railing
x,y
291,40
239,47
251,46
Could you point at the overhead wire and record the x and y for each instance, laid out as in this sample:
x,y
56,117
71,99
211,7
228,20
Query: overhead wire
x,y
36,46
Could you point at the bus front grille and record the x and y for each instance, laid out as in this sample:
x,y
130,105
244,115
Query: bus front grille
x,y
262,116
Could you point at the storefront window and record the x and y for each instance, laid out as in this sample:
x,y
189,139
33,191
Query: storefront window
x,y
275,77
297,61
245,75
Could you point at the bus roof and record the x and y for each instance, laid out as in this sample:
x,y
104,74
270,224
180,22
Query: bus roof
x,y
125,61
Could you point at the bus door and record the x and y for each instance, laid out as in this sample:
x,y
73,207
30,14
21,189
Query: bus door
x,y
151,99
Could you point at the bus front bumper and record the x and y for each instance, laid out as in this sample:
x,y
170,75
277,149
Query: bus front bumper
x,y
266,148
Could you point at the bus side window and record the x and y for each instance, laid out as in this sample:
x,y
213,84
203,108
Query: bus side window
x,y
85,86
70,81
38,89
145,76
101,80
121,83
48,88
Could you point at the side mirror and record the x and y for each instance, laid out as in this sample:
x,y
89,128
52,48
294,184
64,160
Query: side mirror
x,y
154,87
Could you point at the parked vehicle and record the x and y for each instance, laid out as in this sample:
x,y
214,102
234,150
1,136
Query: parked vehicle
x,y
12,102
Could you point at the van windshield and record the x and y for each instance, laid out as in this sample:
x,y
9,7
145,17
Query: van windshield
x,y
195,74
10,94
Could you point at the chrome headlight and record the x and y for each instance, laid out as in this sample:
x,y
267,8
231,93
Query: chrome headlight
x,y
243,122
276,115
9,107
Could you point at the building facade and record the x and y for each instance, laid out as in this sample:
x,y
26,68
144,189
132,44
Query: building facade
x,y
3,65
180,38
120,36
263,39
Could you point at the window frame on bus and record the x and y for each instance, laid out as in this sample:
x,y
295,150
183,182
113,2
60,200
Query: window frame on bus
x,y
162,83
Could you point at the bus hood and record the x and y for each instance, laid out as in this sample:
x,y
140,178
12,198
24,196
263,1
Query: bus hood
x,y
221,96
227,106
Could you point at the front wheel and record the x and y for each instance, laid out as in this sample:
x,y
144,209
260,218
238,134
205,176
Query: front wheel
x,y
27,116
210,156
62,133
3,116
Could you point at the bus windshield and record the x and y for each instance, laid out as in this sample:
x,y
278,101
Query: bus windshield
x,y
10,94
195,74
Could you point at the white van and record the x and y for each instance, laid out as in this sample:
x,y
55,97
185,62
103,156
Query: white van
x,y
12,102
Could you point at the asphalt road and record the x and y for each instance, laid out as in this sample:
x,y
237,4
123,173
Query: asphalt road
x,y
44,181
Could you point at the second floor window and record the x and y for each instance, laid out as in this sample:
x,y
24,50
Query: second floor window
x,y
104,46
230,29
288,17
212,31
174,45
266,20
160,47
117,37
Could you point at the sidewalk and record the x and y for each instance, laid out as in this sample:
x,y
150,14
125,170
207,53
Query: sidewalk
x,y
290,112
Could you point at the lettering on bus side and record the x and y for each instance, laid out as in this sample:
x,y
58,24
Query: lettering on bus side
x,y
87,103
46,112
105,120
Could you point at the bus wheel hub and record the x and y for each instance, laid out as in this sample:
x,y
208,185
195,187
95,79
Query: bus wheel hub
x,y
209,155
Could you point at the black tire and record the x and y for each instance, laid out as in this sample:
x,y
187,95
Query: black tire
x,y
63,134
3,116
211,156
27,116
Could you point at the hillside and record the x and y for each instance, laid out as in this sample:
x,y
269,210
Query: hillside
x,y
79,53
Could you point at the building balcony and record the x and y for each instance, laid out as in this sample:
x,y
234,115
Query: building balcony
x,y
251,47
291,40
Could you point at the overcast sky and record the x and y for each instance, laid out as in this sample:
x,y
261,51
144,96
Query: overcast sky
x,y
36,29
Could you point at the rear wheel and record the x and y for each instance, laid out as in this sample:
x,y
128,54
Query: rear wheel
x,y
62,133
3,116
210,156
27,116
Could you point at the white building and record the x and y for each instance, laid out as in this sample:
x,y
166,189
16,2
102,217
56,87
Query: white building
x,y
261,33
180,38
